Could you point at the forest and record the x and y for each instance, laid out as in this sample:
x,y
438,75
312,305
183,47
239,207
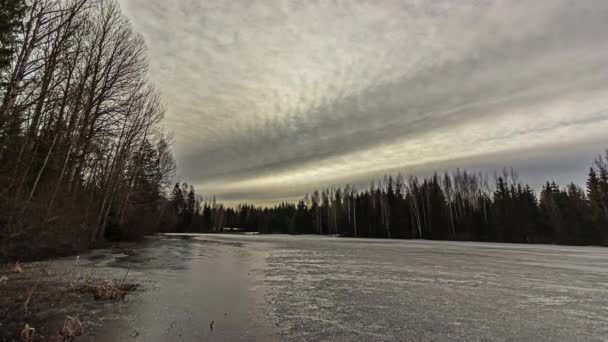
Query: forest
x,y
83,155
84,158
452,206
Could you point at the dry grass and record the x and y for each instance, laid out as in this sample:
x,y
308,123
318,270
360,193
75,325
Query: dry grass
x,y
27,333
106,290
18,268
46,293
72,328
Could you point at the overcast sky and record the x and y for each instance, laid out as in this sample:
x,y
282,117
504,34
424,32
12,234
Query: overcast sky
x,y
270,99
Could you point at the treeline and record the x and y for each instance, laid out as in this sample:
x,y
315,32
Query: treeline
x,y
82,153
458,206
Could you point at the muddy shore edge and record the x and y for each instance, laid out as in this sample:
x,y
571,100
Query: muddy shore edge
x,y
54,299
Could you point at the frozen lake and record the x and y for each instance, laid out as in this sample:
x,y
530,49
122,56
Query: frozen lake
x,y
309,288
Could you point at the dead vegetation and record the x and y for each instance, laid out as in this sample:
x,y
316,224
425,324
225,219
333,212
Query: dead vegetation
x,y
72,328
27,333
46,291
106,290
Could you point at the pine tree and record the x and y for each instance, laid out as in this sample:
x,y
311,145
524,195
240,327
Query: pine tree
x,y
190,208
11,13
598,209
502,199
529,214
177,203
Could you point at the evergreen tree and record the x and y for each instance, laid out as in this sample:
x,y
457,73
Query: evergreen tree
x,y
178,205
502,203
11,14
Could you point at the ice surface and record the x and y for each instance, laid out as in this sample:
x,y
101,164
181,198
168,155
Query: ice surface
x,y
311,288
328,289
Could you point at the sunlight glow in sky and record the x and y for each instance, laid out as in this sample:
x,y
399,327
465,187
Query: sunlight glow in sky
x,y
270,99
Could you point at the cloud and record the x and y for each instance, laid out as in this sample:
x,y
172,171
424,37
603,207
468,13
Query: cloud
x,y
270,99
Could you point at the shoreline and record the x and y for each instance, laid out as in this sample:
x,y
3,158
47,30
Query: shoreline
x,y
47,294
